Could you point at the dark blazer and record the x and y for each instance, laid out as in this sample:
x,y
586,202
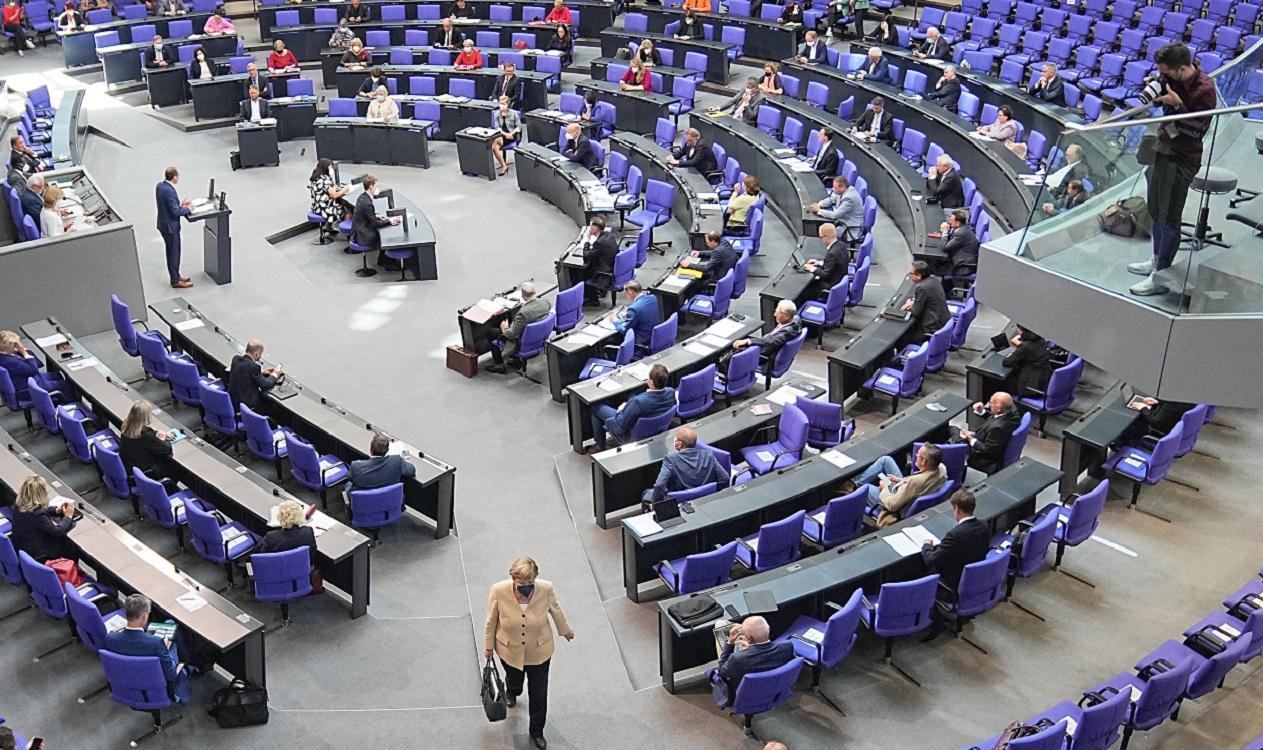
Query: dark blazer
x,y
581,151
889,39
733,665
536,309
284,540
245,109
877,71
363,11
1053,92
961,246
991,439
945,94
169,208
687,469
442,39
1163,418
640,317
129,642
967,542
929,306
260,81
715,263
364,222
699,156
42,534
32,204
654,56
147,453
947,188
820,48
513,88
776,338
380,471
599,258
246,381
370,84
20,368
196,72
167,54
837,259
24,162
885,128
939,49
647,404
1030,363
827,161
751,114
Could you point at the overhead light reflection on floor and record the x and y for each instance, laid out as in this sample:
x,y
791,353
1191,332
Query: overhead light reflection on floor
x,y
376,312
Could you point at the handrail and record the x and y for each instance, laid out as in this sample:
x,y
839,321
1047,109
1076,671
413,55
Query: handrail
x,y
1238,60
1113,123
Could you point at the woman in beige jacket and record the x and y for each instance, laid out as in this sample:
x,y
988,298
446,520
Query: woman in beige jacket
x,y
518,631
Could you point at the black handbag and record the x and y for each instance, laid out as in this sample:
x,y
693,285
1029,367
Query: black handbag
x,y
495,701
695,611
239,705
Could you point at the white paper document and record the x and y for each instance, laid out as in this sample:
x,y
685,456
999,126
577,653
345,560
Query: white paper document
x,y
725,328
643,525
786,394
190,324
838,458
813,635
698,347
819,518
639,371
582,339
609,384
766,456
919,535
711,339
191,601
53,340
901,544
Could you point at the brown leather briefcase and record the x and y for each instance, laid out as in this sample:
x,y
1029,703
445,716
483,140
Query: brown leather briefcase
x,y
462,360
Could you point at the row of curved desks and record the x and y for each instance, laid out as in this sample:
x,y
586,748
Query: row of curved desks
x,y
534,92
594,15
692,191
569,186
767,40
78,48
307,41
638,111
613,40
331,59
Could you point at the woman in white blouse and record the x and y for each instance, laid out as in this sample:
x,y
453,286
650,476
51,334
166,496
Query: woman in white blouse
x,y
383,107
50,222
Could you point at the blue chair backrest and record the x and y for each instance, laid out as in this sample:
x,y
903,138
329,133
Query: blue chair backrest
x,y
650,426
282,576
10,568
741,275
1013,450
376,507
840,631
218,413
824,421
568,310
45,587
1161,696
1085,513
87,619
1098,727
780,542
76,436
723,296
707,569
844,518
207,539
982,584
155,500
955,459
1052,738
261,438
696,392
417,85
930,499
962,322
304,460
44,405
1190,424
792,432
185,380
122,316
1164,455
535,335
153,355
1035,543
136,681
762,691
940,343
1210,673
340,107
904,607
8,392
1062,384
113,473
660,196
663,334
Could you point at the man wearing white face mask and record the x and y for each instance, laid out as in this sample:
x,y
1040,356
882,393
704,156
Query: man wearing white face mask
x,y
382,107
255,108
376,79
158,55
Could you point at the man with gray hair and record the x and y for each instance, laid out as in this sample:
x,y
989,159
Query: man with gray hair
x,y
745,105
32,198
1048,86
947,91
135,640
935,47
788,326
1075,168
748,650
688,468
533,308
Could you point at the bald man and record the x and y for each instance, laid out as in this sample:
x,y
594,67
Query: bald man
x,y
748,650
578,148
987,443
688,468
533,308
247,380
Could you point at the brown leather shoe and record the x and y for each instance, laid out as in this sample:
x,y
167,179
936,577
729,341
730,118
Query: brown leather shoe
x,y
182,285
185,278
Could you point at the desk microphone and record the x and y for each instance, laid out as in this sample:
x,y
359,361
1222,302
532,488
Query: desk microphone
x,y
276,492
333,406
121,386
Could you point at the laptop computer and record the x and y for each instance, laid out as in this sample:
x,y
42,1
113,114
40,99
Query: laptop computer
x,y
667,513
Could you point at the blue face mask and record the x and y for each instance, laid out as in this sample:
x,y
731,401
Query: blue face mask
x,y
526,590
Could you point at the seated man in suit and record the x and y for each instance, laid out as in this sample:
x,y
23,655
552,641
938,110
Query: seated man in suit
x,y
687,468
893,491
135,640
578,147
619,422
875,68
533,308
1073,195
1160,417
247,380
825,162
842,206
375,80
511,86
928,304
833,268
748,650
256,79
380,469
158,55
693,152
987,443
875,123
745,105
959,243
967,542
366,223
1049,86
814,50
947,91
639,316
1030,363
934,47
788,326
255,108
448,37
32,199
1075,168
944,184
599,249
717,259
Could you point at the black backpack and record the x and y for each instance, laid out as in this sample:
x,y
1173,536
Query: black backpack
x,y
239,705
695,611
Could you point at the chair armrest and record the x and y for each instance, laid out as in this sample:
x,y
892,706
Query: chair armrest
x,y
741,474
816,646
667,564
1028,391
834,605
324,473
1149,441
778,458
746,544
1026,524
867,604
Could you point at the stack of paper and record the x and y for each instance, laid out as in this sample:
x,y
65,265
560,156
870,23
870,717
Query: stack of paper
x,y
711,339
639,371
697,347
902,544
643,525
582,339
190,601
838,458
920,535
786,394
190,324
725,328
609,384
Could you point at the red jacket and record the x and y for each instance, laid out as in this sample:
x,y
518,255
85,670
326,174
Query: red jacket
x,y
473,59
629,78
559,15
283,60
12,14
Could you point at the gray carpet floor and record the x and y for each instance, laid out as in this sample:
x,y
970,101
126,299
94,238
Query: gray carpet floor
x,y
406,676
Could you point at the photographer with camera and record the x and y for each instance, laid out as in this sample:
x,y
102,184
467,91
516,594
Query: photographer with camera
x,y
1181,87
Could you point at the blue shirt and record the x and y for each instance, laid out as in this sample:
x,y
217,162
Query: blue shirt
x,y
641,316
647,404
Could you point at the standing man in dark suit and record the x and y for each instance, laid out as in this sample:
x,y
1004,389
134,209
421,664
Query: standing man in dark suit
x,y
814,50
875,123
987,443
935,47
944,184
532,309
875,68
835,264
693,152
511,86
745,105
599,249
158,55
717,259
365,223
960,244
825,162
579,148
748,651
928,304
170,209
247,380
254,108
1049,86
967,542
379,469
788,326
947,91
135,640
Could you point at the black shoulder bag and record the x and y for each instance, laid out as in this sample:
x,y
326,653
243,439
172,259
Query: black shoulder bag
x,y
495,701
239,705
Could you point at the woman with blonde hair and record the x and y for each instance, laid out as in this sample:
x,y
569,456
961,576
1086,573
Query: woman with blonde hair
x,y
38,529
293,533
141,446
18,361
382,107
517,630
51,222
